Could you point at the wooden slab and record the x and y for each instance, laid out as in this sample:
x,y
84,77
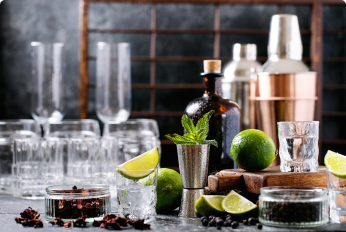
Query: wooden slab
x,y
253,181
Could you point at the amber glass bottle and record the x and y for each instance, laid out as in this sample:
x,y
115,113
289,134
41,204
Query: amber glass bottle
x,y
224,123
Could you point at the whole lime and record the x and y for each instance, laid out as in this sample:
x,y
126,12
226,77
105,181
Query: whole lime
x,y
169,189
253,150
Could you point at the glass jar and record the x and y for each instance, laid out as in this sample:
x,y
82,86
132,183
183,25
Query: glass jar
x,y
70,202
293,206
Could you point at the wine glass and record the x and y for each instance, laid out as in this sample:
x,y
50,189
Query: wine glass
x,y
47,96
113,82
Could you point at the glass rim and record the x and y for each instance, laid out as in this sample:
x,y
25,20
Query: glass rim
x,y
142,169
17,121
72,121
132,121
280,191
298,122
89,190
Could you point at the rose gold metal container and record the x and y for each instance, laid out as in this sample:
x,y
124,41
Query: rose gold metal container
x,y
285,90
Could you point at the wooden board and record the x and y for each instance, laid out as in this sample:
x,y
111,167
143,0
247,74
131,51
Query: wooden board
x,y
253,181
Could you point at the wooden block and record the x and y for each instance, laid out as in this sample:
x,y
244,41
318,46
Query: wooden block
x,y
253,181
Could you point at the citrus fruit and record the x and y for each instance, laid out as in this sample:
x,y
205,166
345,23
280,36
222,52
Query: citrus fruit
x,y
336,163
237,205
253,150
140,166
209,205
169,189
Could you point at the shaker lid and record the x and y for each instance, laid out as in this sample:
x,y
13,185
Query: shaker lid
x,y
212,66
245,51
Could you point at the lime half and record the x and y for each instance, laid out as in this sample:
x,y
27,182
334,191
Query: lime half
x,y
237,205
209,205
336,164
140,166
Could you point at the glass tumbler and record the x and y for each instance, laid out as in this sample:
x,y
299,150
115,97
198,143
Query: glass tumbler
x,y
37,164
10,129
298,146
337,197
135,136
113,82
137,196
47,94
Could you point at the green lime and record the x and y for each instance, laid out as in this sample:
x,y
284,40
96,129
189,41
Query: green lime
x,y
336,163
169,189
253,150
237,205
140,166
209,205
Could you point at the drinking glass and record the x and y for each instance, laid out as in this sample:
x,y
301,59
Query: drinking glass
x,y
37,164
137,198
113,82
71,129
298,146
135,136
47,95
10,129
337,197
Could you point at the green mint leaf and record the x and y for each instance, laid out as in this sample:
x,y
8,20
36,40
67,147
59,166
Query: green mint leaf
x,y
211,142
202,133
190,136
188,124
177,139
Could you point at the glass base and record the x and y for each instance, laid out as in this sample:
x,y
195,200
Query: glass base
x,y
310,165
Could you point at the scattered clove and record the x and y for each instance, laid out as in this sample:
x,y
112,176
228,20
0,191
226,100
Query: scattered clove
x,y
30,218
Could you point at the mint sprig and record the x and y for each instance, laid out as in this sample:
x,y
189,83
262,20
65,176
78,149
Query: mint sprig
x,y
195,135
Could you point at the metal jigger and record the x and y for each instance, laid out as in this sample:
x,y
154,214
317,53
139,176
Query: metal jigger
x,y
193,165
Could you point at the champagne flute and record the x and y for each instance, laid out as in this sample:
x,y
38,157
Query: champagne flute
x,y
47,96
113,82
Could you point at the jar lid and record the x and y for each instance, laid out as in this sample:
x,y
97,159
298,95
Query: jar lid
x,y
294,192
80,190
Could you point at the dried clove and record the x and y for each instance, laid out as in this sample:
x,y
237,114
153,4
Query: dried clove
x,y
140,225
57,221
80,222
30,218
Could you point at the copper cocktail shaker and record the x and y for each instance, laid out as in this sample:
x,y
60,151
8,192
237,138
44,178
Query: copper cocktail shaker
x,y
286,89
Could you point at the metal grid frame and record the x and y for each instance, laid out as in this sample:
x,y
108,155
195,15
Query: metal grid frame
x,y
316,52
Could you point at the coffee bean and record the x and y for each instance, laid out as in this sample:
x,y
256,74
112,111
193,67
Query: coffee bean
x,y
235,224
212,222
205,222
259,226
219,227
202,218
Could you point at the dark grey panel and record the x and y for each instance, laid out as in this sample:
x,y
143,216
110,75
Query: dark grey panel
x,y
184,45
175,99
119,15
303,13
334,73
334,100
246,16
334,17
334,45
334,128
185,16
179,72
170,125
140,99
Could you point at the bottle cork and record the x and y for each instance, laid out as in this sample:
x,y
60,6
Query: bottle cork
x,y
212,66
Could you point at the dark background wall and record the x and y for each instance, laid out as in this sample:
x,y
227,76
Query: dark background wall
x,y
23,21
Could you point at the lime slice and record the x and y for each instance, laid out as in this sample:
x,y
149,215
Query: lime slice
x,y
140,166
209,205
336,163
237,205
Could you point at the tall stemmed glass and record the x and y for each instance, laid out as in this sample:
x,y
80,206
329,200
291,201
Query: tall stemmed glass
x,y
113,82
47,96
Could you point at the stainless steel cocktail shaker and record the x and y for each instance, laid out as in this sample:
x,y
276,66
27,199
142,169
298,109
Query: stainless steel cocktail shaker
x,y
193,166
286,89
239,77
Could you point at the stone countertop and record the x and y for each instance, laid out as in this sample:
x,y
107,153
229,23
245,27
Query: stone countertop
x,y
10,208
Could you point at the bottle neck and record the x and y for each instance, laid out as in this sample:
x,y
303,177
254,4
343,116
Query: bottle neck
x,y
212,84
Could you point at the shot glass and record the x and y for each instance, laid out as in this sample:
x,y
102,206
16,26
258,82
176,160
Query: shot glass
x,y
37,164
135,136
10,129
137,197
298,146
337,197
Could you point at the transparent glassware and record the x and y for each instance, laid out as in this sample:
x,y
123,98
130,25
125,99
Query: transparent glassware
x,y
337,197
113,82
10,129
137,198
293,206
48,86
71,202
298,146
134,137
